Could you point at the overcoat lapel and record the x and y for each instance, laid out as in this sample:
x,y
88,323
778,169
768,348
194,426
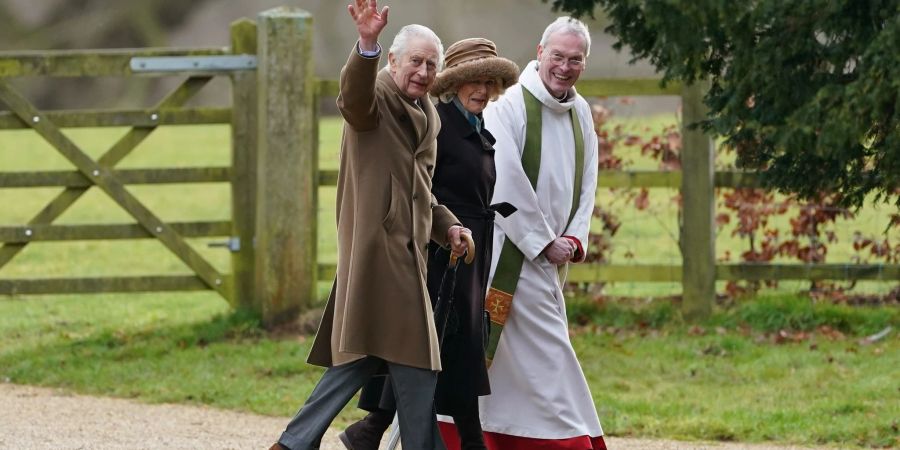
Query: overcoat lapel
x,y
425,123
430,128
419,121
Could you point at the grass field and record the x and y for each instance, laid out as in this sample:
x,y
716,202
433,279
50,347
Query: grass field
x,y
650,376
733,378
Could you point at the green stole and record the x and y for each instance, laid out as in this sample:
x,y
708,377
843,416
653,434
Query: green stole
x,y
509,266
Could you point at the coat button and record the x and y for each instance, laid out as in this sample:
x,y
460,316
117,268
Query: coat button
x,y
415,196
410,245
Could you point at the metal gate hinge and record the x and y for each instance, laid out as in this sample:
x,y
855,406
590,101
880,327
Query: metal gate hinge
x,y
233,244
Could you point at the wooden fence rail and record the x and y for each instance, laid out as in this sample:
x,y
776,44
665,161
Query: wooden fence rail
x,y
35,233
274,133
121,118
87,63
591,273
59,178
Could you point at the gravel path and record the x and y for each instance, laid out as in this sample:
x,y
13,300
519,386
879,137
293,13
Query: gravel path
x,y
41,418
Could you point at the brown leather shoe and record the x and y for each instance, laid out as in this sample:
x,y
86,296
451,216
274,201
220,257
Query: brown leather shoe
x,y
277,446
366,434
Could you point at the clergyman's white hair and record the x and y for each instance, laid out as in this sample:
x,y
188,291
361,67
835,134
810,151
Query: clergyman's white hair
x,y
568,24
401,40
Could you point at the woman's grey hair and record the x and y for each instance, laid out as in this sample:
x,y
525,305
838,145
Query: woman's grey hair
x,y
567,24
401,40
496,91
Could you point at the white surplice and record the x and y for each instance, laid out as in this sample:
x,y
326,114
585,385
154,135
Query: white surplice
x,y
538,389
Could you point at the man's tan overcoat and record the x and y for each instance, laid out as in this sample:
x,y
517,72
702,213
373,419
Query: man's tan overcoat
x,y
386,215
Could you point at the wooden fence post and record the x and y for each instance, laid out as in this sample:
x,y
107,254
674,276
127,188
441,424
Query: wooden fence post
x,y
698,237
244,121
287,181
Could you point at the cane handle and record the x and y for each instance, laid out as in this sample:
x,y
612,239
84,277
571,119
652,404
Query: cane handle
x,y
470,252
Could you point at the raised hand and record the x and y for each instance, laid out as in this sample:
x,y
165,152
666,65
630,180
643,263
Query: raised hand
x,y
369,22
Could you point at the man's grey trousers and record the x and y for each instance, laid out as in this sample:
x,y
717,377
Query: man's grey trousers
x,y
413,389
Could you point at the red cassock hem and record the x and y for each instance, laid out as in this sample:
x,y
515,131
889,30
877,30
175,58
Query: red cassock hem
x,y
497,441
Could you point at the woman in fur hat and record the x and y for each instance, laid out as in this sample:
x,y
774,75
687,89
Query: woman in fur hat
x,y
463,181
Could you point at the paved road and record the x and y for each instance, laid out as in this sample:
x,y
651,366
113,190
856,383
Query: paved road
x,y
41,418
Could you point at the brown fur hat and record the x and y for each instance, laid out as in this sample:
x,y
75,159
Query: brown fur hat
x,y
470,59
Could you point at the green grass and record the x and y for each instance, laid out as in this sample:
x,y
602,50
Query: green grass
x,y
727,387
775,369
181,348
764,314
650,374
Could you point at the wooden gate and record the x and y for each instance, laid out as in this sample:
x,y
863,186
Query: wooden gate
x,y
273,120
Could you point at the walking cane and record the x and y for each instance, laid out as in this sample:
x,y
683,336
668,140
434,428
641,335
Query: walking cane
x,y
441,313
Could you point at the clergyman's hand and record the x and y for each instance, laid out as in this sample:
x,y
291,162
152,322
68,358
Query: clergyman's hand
x,y
560,251
458,246
369,22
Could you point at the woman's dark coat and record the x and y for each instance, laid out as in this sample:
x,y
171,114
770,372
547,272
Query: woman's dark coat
x,y
463,181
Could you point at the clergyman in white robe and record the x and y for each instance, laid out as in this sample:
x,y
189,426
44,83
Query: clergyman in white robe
x,y
538,387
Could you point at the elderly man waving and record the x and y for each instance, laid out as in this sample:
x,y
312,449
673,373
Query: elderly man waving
x,y
379,314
